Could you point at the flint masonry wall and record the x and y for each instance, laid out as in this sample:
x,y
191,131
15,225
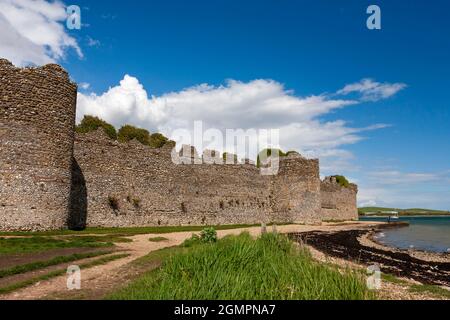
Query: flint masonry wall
x,y
147,188
37,117
338,202
52,178
296,190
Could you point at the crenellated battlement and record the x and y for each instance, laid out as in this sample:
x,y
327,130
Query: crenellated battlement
x,y
53,178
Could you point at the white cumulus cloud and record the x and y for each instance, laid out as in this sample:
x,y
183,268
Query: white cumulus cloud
x,y
33,32
258,104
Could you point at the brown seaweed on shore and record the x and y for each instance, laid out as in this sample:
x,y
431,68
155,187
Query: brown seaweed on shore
x,y
345,245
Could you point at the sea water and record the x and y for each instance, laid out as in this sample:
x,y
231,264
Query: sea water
x,y
423,233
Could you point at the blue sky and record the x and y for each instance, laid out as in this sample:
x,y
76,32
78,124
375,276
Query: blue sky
x,y
395,146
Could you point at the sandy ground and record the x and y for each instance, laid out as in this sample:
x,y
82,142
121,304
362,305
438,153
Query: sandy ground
x,y
388,291
108,275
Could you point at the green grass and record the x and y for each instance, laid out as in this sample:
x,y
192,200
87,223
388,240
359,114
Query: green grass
x,y
402,212
418,288
29,282
435,290
158,239
52,262
44,243
130,231
393,279
242,268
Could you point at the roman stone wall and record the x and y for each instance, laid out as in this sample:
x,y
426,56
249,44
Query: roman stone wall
x,y
134,185
37,118
296,190
52,178
338,203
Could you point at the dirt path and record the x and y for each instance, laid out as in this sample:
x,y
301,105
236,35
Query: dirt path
x,y
110,274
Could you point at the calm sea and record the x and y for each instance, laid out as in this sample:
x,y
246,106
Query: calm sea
x,y
423,233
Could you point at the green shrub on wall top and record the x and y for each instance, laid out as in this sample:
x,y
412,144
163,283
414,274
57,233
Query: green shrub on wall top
x,y
157,140
228,156
91,123
125,134
342,181
128,133
266,153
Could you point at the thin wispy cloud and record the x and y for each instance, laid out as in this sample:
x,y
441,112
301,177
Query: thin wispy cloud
x,y
397,177
395,188
371,90
91,42
84,85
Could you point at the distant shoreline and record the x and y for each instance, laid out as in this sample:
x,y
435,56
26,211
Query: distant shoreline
x,y
406,215
359,246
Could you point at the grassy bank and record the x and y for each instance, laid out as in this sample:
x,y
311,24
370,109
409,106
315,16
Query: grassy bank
x,y
129,231
34,244
270,267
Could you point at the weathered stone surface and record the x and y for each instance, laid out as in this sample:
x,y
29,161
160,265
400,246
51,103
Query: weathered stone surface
x,y
52,178
338,202
37,117
151,190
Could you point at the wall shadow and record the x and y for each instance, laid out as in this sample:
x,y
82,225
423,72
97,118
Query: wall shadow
x,y
78,199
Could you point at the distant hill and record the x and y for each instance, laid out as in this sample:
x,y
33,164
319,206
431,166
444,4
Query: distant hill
x,y
405,212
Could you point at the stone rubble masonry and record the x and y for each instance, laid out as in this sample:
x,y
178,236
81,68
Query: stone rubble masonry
x,y
338,202
53,178
37,117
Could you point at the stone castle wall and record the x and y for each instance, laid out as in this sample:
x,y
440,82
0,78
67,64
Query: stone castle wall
x,y
338,202
133,185
37,118
296,190
52,178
